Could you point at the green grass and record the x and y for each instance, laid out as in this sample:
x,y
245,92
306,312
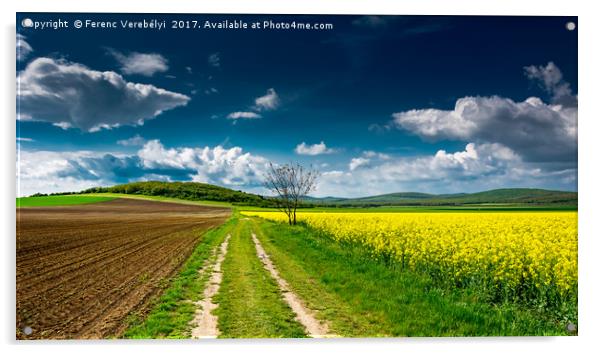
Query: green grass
x,y
174,309
358,295
250,303
63,200
363,297
165,199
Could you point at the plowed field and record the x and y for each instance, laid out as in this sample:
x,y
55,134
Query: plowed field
x,y
82,270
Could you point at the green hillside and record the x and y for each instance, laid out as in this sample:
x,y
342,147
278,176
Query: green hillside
x,y
497,196
396,197
207,192
186,191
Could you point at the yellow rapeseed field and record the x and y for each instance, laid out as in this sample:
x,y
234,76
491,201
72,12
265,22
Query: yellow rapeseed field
x,y
529,253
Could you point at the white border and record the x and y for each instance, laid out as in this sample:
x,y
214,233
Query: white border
x,y
590,231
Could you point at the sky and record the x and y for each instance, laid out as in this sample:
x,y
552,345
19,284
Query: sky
x,y
377,104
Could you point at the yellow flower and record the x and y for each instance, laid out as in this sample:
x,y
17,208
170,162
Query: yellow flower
x,y
506,249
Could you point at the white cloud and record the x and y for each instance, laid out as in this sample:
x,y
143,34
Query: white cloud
x,y
218,165
71,95
65,125
313,150
538,131
478,167
269,101
135,140
153,177
23,48
25,139
367,159
551,79
243,115
358,162
46,171
50,171
214,60
146,64
373,154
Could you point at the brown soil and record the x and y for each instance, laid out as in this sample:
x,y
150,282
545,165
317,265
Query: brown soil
x,y
84,271
303,314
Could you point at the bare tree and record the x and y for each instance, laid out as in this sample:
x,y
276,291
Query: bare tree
x,y
290,183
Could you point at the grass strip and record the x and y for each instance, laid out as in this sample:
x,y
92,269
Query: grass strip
x,y
363,297
250,303
62,200
170,316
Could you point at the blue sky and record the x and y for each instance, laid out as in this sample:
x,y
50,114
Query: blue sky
x,y
378,104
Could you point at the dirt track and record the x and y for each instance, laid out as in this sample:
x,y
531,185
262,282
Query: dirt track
x,y
303,314
83,270
204,322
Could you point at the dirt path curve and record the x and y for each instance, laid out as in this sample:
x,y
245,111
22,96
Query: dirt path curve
x,y
304,315
204,322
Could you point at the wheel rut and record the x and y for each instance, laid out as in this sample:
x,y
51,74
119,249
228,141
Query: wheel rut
x,y
303,314
205,322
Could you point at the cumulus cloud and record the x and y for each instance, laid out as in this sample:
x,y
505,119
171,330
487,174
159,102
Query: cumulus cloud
x,y
46,172
538,131
23,48
72,95
243,115
478,167
214,60
146,64
550,78
269,101
218,165
51,171
313,150
135,140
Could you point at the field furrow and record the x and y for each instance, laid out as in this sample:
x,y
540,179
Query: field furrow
x,y
83,269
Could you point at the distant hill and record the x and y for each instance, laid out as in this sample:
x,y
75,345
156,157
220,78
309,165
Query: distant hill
x,y
187,191
497,196
396,197
202,191
311,199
